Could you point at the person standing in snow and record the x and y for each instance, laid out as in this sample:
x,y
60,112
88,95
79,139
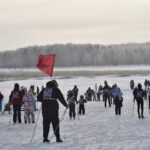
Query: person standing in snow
x,y
148,94
132,84
1,99
48,96
117,100
75,92
16,99
100,92
139,94
71,102
106,92
81,105
28,101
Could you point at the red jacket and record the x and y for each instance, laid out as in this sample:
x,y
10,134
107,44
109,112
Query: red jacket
x,y
16,97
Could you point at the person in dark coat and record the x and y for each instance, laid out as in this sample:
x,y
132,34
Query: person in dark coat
x,y
117,100
81,105
75,92
1,99
106,92
139,94
16,99
71,103
50,107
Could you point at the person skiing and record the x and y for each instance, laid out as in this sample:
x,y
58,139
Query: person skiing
x,y
1,99
50,107
117,100
148,94
140,102
81,105
16,99
28,101
88,94
99,92
75,92
106,92
71,102
132,84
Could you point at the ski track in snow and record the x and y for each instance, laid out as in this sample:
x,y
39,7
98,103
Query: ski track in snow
x,y
99,129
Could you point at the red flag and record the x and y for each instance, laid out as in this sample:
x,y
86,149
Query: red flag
x,y
46,63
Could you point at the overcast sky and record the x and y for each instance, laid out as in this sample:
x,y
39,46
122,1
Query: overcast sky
x,y
39,22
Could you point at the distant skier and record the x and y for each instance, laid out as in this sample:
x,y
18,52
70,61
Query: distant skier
x,y
88,94
148,93
81,105
71,102
118,99
139,94
75,92
99,92
106,94
132,84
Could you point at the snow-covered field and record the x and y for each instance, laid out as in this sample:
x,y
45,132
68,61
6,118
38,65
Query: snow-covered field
x,y
99,129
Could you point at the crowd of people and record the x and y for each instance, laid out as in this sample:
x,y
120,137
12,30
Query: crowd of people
x,y
22,99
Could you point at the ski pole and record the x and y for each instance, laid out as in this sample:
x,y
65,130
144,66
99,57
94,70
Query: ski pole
x,y
36,124
62,117
132,109
78,112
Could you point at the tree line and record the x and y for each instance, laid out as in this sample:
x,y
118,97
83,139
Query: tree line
x,y
68,55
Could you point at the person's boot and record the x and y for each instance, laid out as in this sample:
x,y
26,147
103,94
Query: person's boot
x,y
45,140
59,140
142,117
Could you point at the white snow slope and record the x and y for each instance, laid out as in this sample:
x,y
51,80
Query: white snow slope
x,y
99,129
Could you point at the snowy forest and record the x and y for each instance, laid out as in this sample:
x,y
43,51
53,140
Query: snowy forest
x,y
68,55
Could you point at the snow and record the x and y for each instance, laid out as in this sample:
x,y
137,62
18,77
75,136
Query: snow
x,y
99,129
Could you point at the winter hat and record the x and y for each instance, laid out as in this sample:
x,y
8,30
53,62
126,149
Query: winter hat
x,y
70,93
55,82
16,85
139,86
50,84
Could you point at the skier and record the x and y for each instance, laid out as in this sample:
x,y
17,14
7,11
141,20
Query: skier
x,y
118,100
88,94
28,101
99,93
81,105
48,96
106,92
1,99
71,102
75,92
148,93
16,99
139,94
132,84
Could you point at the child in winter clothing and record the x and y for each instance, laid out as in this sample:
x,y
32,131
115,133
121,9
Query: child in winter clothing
x,y
81,105
118,100
71,102
7,108
28,101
